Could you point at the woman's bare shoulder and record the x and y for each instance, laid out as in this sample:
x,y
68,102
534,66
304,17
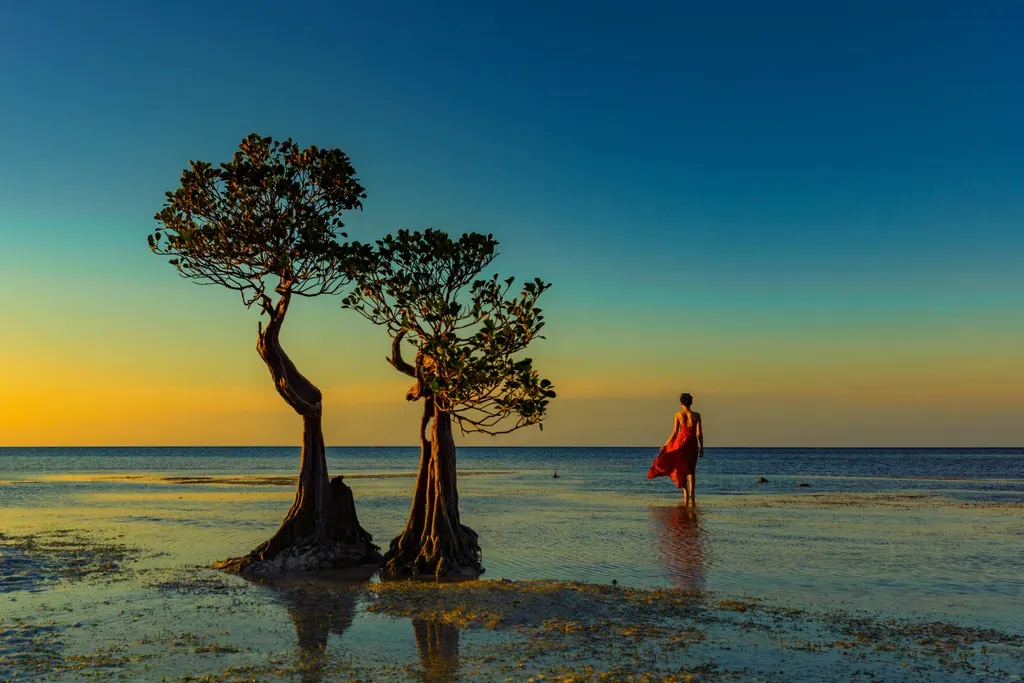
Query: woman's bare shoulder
x,y
696,416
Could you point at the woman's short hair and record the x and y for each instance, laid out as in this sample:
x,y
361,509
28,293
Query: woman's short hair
x,y
686,400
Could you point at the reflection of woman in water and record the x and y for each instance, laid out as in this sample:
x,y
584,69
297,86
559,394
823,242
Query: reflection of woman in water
x,y
678,457
681,540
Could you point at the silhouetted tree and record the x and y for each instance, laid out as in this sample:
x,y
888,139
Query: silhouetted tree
x,y
266,225
467,332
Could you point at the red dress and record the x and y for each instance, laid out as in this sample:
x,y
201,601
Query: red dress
x,y
679,459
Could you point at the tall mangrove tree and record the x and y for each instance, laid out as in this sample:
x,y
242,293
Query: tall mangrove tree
x,y
267,225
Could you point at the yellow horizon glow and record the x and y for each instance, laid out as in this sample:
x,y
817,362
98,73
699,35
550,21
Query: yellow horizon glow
x,y
48,404
189,375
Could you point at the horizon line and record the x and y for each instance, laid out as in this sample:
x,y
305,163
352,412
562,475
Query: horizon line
x,y
461,447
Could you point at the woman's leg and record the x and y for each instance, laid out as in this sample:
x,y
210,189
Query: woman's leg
x,y
691,485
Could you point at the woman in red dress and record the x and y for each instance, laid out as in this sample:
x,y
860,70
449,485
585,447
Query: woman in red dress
x,y
678,457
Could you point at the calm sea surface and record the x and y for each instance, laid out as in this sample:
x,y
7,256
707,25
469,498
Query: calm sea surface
x,y
970,474
919,532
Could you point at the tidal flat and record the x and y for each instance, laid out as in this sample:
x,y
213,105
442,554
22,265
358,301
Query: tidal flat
x,y
104,575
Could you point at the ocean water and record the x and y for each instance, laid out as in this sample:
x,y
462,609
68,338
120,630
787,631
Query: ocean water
x,y
968,474
926,533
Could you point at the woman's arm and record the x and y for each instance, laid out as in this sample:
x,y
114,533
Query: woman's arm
x,y
700,437
672,436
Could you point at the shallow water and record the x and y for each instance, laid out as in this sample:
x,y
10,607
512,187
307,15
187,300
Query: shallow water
x,y
602,520
905,533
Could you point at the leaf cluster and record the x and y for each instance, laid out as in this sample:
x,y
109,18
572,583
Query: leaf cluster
x,y
468,331
270,219
272,213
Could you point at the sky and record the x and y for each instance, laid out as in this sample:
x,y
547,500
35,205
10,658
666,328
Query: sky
x,y
809,215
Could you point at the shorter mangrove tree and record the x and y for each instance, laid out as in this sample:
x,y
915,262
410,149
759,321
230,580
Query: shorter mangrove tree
x,y
467,334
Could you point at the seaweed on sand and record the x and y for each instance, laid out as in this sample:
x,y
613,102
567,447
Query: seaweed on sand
x,y
579,632
42,557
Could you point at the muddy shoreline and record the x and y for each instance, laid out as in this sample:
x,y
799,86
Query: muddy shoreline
x,y
106,576
103,614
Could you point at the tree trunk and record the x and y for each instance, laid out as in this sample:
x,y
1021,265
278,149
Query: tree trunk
x,y
434,541
321,529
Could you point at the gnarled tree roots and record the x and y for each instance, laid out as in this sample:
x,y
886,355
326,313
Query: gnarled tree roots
x,y
304,545
310,554
452,555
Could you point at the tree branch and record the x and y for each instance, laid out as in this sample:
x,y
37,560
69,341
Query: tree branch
x,y
396,356
296,390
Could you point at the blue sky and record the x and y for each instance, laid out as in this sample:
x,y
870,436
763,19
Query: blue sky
x,y
745,176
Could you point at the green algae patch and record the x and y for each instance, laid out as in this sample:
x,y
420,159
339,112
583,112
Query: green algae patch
x,y
193,581
566,631
34,650
506,604
66,554
734,605
563,631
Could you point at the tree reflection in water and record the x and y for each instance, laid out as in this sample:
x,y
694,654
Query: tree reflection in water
x,y
681,544
317,609
438,645
321,607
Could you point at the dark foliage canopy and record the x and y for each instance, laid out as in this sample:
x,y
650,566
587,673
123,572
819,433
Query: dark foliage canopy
x,y
426,289
268,219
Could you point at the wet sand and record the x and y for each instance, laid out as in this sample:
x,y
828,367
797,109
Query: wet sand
x,y
107,579
196,624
